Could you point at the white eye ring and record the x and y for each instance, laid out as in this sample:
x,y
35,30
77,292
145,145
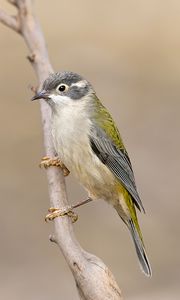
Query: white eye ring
x,y
62,87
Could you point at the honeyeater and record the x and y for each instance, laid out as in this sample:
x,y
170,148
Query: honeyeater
x,y
89,144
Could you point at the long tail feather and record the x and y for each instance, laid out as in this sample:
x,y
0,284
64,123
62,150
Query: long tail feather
x,y
140,250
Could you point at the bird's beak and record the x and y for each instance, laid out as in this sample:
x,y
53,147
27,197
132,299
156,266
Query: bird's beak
x,y
41,95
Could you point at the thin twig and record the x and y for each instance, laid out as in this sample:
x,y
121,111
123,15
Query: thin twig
x,y
9,21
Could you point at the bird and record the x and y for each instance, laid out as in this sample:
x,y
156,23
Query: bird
x,y
88,143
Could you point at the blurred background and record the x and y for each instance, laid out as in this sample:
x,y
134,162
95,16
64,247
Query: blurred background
x,y
130,52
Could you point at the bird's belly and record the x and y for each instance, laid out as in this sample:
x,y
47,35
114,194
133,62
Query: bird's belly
x,y
71,140
96,178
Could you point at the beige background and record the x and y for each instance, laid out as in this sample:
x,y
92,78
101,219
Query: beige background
x,y
130,51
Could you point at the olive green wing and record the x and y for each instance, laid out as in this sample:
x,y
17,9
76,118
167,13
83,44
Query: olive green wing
x,y
115,157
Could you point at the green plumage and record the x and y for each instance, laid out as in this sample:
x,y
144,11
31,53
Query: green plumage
x,y
105,121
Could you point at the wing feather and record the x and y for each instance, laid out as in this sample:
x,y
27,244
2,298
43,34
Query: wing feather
x,y
117,160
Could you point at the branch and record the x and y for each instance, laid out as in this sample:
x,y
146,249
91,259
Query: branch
x,y
93,279
9,21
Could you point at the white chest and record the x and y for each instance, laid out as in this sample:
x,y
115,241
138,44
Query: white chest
x,y
70,131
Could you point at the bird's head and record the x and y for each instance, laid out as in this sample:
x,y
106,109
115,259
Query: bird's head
x,y
64,88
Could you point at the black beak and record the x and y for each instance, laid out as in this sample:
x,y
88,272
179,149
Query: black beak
x,y
41,95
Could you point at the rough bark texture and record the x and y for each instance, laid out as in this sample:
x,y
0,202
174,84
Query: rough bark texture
x,y
93,279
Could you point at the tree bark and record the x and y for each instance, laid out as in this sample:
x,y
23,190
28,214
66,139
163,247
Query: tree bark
x,y
93,279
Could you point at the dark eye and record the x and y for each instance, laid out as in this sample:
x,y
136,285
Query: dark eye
x,y
62,87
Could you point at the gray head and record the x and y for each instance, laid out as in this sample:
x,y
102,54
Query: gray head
x,y
61,87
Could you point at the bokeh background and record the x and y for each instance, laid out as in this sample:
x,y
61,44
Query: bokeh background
x,y
130,51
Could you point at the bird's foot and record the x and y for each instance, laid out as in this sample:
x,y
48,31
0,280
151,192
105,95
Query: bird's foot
x,y
47,162
68,211
56,212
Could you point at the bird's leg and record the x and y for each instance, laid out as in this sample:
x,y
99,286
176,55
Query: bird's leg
x,y
68,211
47,162
81,203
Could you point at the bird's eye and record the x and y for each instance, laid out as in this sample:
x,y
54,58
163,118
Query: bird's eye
x,y
62,87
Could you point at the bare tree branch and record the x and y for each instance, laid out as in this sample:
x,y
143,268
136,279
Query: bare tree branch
x,y
9,21
93,279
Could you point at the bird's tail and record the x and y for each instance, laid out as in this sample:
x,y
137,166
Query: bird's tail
x,y
140,250
126,210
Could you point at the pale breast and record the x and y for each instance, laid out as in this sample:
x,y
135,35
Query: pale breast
x,y
71,138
